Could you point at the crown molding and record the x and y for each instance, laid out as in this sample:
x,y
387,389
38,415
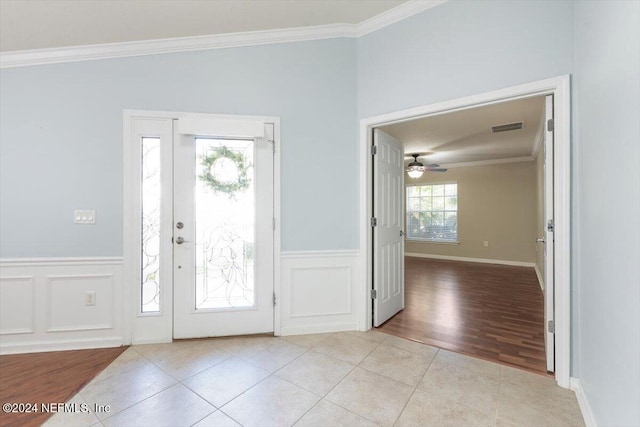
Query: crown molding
x,y
32,57
396,14
487,162
26,58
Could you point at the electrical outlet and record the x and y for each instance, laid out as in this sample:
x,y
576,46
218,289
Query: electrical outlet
x,y
486,243
90,298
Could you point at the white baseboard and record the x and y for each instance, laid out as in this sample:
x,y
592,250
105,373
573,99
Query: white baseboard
x,y
539,275
465,259
319,291
42,304
321,328
62,345
585,408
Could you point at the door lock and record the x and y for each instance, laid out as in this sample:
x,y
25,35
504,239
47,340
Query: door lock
x,y
179,225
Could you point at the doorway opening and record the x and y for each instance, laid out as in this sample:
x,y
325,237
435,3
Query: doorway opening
x,y
200,235
558,312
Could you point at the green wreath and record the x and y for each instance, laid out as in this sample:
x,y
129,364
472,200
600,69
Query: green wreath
x,y
208,162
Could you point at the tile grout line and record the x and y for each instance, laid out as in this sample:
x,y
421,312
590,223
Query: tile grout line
x,y
310,349
342,379
415,388
259,382
130,406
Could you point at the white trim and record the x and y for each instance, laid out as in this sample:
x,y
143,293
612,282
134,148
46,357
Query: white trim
x,y
59,261
539,276
398,13
583,402
560,88
94,52
320,254
79,327
487,162
320,291
71,344
133,318
321,328
26,58
466,259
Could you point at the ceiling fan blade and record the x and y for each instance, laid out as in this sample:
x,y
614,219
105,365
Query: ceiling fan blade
x,y
436,170
433,165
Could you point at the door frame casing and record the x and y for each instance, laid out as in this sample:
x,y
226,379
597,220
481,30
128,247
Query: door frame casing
x,y
131,208
560,88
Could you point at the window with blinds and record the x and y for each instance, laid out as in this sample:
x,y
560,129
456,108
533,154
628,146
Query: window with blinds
x,y
432,212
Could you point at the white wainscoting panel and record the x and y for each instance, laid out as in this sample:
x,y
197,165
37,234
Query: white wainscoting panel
x,y
66,299
16,305
318,291
44,308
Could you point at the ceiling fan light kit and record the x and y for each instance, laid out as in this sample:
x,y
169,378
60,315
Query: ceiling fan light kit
x,y
415,169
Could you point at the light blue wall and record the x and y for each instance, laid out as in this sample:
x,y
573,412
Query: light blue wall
x,y
607,177
463,48
61,139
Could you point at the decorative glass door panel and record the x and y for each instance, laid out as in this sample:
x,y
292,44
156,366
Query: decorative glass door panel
x,y
223,236
224,224
150,221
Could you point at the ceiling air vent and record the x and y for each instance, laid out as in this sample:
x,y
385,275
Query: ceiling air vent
x,y
507,127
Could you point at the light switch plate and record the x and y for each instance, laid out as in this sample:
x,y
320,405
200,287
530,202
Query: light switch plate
x,y
81,216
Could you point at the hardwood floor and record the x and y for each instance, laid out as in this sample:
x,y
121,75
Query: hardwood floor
x,y
494,312
48,378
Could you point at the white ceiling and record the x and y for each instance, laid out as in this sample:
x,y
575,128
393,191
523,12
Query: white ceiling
x,y
38,24
465,136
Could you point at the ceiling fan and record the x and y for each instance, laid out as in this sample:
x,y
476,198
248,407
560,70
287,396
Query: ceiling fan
x,y
415,169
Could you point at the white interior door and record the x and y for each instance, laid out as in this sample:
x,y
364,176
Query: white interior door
x,y
223,257
549,306
388,240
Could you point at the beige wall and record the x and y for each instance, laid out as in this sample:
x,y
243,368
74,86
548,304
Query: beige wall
x,y
496,203
540,232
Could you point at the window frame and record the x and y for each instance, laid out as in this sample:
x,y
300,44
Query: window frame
x,y
407,211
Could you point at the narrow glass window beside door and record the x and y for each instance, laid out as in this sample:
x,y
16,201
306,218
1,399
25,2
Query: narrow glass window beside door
x,y
432,212
225,224
150,221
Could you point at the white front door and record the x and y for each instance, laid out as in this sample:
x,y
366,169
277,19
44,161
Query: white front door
x,y
388,241
223,235
549,288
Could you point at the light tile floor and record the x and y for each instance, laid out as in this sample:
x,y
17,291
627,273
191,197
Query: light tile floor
x,y
342,379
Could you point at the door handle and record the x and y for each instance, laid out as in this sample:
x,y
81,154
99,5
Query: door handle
x,y
401,233
180,240
540,240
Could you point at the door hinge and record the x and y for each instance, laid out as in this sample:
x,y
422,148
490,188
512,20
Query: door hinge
x,y
550,226
550,125
274,223
374,222
551,327
374,294
274,299
374,150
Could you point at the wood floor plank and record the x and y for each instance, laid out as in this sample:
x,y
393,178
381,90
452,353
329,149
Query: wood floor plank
x,y
51,377
491,311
